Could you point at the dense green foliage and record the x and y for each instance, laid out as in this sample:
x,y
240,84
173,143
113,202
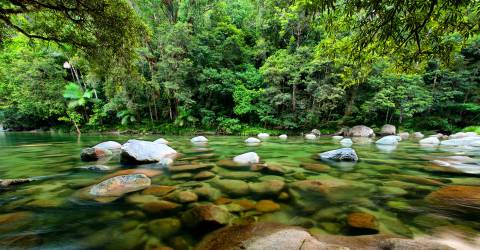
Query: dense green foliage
x,y
238,66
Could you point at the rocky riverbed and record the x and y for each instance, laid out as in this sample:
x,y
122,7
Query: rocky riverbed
x,y
310,192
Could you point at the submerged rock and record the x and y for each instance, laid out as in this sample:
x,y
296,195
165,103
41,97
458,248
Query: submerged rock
x,y
347,142
199,139
94,154
362,221
343,154
190,168
182,196
260,236
310,137
406,244
109,145
463,199
247,158
203,175
388,140
145,151
97,168
283,136
267,206
316,167
158,190
165,227
360,131
119,185
206,217
268,169
272,187
11,182
160,206
388,129
232,187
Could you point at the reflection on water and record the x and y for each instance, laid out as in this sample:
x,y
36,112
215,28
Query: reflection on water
x,y
387,186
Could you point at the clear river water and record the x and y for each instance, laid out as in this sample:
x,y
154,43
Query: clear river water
x,y
388,183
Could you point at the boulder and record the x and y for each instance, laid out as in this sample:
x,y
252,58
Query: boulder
x,y
316,167
337,137
462,199
267,206
94,154
310,137
346,142
263,135
110,145
404,135
388,140
342,154
360,131
283,136
206,217
407,244
252,140
232,187
418,135
316,132
272,187
362,222
247,158
455,164
119,185
199,139
145,151
161,141
430,141
388,129
259,236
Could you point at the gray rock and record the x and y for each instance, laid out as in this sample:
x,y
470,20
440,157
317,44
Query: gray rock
x,y
283,136
252,140
260,236
360,131
342,154
404,135
119,185
388,140
388,129
337,137
247,158
199,139
465,141
110,145
418,135
145,151
430,141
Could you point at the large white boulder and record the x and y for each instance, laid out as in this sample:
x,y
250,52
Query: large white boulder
x,y
145,151
337,137
465,141
247,158
310,137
